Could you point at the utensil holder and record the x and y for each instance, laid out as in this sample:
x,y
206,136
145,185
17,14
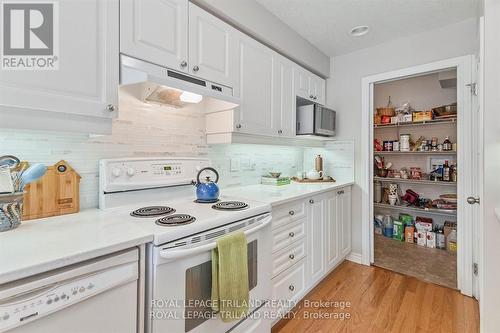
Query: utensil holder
x,y
11,210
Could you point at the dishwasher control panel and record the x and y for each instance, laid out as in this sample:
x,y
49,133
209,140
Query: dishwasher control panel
x,y
33,304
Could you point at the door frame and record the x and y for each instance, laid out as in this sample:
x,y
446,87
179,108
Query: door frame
x,y
463,66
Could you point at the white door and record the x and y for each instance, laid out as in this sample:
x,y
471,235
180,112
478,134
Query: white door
x,y
302,82
155,31
284,97
344,209
333,229
317,89
87,80
316,224
213,48
256,68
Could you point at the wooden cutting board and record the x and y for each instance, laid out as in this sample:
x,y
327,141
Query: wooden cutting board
x,y
56,193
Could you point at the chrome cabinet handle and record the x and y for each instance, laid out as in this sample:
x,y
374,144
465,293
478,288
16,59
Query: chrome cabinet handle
x,y
311,201
315,97
111,108
280,132
340,192
238,126
291,212
472,200
196,68
291,234
311,96
291,256
184,63
291,287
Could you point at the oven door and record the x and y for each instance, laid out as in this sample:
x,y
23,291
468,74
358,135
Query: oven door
x,y
324,121
181,282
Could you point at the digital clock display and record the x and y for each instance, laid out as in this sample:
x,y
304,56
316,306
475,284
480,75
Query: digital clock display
x,y
167,168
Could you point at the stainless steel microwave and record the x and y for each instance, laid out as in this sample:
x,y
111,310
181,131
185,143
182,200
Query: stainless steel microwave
x,y
314,119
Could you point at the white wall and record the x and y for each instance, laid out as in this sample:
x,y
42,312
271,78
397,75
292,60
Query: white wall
x,y
344,86
490,266
252,18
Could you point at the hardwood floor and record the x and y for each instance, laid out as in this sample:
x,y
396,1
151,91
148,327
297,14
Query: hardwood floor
x,y
381,301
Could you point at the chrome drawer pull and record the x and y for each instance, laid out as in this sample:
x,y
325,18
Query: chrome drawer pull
x,y
291,287
291,212
311,201
291,256
291,234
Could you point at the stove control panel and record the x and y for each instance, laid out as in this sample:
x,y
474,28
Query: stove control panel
x,y
142,173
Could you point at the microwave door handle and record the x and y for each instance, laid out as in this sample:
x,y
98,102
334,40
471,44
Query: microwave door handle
x,y
176,254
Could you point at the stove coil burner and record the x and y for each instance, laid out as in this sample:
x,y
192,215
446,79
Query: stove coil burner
x,y
199,201
230,205
175,220
152,211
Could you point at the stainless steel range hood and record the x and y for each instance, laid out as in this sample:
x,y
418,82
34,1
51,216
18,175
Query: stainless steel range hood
x,y
166,86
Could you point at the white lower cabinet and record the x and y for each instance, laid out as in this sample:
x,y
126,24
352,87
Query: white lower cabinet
x,y
321,229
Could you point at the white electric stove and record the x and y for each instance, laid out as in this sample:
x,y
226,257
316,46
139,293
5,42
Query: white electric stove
x,y
157,194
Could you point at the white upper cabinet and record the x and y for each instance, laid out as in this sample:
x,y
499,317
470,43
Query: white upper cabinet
x,y
255,115
155,31
283,97
86,83
213,48
309,85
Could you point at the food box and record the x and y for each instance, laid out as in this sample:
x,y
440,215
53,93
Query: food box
x,y
406,219
398,231
421,238
422,116
423,223
378,230
409,234
452,246
449,227
386,120
394,120
430,239
405,118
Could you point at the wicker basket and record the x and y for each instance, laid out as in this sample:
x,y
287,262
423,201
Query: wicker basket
x,y
11,210
386,111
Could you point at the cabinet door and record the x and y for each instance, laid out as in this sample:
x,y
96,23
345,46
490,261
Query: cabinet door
x,y
256,73
318,89
302,82
213,48
344,207
316,234
284,98
87,79
332,230
155,31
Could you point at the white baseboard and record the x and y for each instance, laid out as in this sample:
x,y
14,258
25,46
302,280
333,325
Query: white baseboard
x,y
354,257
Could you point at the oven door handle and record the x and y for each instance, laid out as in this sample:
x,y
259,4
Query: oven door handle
x,y
175,254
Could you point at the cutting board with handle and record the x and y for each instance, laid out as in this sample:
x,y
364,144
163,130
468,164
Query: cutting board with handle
x,y
56,193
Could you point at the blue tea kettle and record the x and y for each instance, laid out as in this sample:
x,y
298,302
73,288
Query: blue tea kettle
x,y
207,191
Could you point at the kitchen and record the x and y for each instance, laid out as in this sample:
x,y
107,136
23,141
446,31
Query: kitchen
x,y
238,98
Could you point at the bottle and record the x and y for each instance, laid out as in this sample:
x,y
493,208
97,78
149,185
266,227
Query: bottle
x,y
454,175
446,172
447,145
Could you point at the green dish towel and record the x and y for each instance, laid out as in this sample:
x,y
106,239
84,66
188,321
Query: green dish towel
x,y
230,277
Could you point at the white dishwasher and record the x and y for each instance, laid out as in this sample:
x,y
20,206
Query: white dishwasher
x,y
97,296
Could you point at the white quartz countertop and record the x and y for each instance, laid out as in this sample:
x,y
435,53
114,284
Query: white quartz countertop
x,y
41,245
276,195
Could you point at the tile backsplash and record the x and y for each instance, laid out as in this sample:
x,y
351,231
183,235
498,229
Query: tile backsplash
x,y
153,130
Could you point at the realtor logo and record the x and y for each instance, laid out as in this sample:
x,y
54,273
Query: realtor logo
x,y
30,36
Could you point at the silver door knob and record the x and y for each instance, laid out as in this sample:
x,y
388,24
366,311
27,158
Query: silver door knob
x,y
196,68
238,126
311,201
291,212
291,287
291,256
291,234
111,108
472,200
184,63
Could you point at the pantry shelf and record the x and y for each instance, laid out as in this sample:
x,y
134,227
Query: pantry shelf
x,y
414,181
415,152
419,123
434,211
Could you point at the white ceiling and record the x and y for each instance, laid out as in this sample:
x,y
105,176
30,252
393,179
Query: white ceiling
x,y
327,23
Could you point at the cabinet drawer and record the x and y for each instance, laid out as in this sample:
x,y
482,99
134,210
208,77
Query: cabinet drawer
x,y
290,285
289,256
289,212
285,236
